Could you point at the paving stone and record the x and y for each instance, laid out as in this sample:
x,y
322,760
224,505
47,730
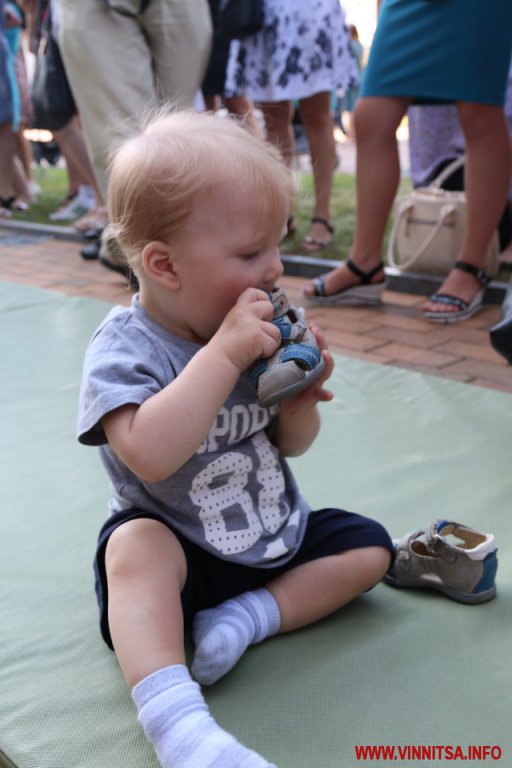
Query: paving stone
x,y
390,334
423,357
478,352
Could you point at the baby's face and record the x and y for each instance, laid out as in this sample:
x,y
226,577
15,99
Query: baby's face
x,y
223,250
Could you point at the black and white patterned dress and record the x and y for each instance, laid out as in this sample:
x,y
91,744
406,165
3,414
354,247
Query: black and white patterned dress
x,y
303,49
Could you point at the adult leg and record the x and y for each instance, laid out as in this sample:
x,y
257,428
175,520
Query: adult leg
x,y
72,143
277,116
25,153
487,179
106,49
146,571
7,150
179,35
318,123
278,127
242,107
20,185
377,177
131,68
212,103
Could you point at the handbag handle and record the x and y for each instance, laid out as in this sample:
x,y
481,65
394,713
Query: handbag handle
x,y
447,172
444,212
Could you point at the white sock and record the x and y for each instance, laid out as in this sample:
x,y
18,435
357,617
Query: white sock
x,y
223,634
177,722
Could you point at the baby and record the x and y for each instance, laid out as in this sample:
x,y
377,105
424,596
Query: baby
x,y
208,527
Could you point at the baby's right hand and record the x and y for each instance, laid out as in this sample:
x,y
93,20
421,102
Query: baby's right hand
x,y
247,331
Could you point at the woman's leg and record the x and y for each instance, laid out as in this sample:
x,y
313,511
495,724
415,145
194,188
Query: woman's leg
x,y
318,123
377,177
487,178
72,143
244,108
278,126
7,150
20,185
25,152
71,140
277,116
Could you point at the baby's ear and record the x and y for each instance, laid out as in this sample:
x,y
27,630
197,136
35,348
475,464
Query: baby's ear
x,y
158,262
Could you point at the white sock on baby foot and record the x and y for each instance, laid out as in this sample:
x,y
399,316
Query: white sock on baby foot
x,y
177,722
223,634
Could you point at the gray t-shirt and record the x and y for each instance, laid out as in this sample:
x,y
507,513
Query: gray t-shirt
x,y
236,497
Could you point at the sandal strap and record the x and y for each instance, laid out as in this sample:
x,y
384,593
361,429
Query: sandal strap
x,y
7,202
325,222
319,286
449,300
480,274
365,277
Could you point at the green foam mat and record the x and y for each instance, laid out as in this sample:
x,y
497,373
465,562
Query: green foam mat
x,y
403,668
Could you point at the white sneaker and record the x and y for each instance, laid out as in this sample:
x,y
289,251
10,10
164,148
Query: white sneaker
x,y
72,209
34,189
86,196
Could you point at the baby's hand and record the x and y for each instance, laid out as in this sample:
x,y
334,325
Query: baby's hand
x,y
247,331
315,393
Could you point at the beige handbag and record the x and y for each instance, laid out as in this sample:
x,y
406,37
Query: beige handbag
x,y
428,229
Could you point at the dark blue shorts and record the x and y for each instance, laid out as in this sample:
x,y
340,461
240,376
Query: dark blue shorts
x,y
211,580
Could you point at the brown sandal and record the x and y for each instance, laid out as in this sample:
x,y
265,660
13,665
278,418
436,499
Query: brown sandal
x,y
314,244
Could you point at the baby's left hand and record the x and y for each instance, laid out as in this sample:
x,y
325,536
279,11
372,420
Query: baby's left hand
x,y
316,393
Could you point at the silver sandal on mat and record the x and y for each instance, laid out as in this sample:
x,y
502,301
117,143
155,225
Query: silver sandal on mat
x,y
449,557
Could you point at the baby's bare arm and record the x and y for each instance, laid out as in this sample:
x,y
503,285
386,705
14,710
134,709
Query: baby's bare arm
x,y
156,438
299,419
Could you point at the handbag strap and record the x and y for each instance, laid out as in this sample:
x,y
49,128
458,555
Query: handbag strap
x,y
403,208
447,172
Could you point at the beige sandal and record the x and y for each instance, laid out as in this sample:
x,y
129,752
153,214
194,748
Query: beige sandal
x,y
97,218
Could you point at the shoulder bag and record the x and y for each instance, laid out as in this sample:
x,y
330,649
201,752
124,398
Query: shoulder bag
x,y
429,226
238,19
52,99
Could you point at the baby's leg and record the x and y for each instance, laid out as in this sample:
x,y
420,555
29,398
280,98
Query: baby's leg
x,y
318,588
223,634
146,570
299,597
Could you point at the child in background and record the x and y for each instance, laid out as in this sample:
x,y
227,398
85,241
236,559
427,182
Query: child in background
x,y
208,527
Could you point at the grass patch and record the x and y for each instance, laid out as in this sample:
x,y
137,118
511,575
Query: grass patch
x,y
54,187
343,215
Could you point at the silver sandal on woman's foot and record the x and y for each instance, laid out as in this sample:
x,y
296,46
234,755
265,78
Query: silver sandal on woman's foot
x,y
363,293
463,308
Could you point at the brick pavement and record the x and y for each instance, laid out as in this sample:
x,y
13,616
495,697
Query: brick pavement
x,y
393,334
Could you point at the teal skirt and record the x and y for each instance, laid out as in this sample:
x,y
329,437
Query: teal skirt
x,y
441,51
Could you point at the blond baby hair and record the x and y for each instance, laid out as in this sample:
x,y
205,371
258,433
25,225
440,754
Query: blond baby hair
x,y
180,159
